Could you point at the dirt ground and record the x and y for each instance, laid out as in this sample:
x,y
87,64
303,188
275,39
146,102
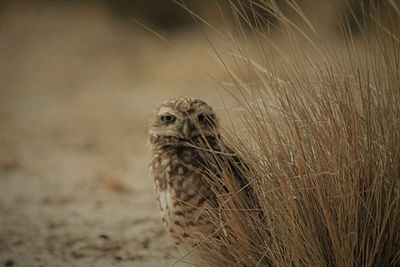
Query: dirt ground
x,y
77,88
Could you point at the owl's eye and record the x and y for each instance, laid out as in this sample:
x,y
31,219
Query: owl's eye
x,y
201,117
168,118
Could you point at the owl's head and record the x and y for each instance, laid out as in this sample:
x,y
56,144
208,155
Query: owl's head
x,y
183,118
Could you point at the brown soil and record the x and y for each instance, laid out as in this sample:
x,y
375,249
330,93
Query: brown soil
x,y
77,87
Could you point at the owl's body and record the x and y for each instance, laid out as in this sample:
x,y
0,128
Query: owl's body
x,y
180,126
181,194
183,137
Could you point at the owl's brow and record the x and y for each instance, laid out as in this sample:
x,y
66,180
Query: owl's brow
x,y
166,110
201,109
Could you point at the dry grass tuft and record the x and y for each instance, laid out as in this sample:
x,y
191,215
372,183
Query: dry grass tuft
x,y
321,143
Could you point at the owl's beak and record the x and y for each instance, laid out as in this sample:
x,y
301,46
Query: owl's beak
x,y
186,129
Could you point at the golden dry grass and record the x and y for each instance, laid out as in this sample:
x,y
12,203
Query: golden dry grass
x,y
320,135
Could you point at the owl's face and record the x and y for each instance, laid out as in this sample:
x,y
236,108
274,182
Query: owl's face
x,y
184,119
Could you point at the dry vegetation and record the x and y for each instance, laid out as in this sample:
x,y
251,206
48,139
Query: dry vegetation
x,y
321,138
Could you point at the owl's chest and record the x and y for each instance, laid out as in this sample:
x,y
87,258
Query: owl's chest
x,y
179,186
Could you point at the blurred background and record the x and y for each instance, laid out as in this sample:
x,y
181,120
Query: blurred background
x,y
78,83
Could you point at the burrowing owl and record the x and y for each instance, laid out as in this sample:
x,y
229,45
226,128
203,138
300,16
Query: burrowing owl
x,y
179,127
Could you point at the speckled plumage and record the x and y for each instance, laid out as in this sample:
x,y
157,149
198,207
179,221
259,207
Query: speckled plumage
x,y
178,167
190,164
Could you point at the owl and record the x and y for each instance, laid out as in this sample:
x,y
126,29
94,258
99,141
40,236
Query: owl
x,y
181,133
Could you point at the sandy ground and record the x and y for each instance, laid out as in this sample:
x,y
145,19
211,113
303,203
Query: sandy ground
x,y
77,87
